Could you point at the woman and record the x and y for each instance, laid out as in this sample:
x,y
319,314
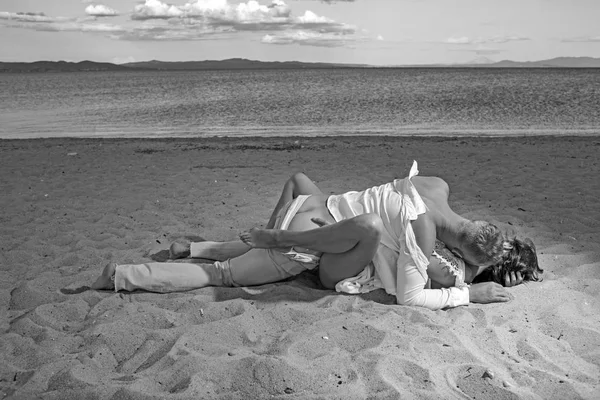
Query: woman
x,y
360,240
519,264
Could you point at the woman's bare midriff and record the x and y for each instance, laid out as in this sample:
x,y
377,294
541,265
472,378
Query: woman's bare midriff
x,y
314,207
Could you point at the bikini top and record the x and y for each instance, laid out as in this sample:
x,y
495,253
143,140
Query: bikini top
x,y
450,262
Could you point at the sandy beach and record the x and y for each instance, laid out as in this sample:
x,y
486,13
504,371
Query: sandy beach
x,y
69,206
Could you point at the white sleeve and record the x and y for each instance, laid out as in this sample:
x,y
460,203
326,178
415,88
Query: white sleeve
x,y
410,289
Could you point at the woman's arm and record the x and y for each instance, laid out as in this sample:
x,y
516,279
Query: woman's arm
x,y
410,286
440,276
446,269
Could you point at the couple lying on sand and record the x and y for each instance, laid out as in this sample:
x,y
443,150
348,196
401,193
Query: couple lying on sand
x,y
401,236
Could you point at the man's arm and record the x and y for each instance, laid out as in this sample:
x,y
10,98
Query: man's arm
x,y
410,288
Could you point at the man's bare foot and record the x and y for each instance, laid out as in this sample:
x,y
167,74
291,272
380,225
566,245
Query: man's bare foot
x,y
260,238
179,250
105,280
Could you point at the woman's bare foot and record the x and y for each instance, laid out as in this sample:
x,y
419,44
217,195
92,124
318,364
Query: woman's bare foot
x,y
105,281
179,250
260,238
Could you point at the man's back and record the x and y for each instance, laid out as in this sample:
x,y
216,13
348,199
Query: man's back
x,y
433,190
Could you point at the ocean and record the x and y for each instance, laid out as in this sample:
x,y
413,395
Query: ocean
x,y
311,102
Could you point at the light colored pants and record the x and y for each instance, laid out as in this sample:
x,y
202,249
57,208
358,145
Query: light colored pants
x,y
255,267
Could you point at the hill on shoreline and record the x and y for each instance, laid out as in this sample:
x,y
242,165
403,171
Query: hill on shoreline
x,y
236,63
229,64
240,63
59,66
559,62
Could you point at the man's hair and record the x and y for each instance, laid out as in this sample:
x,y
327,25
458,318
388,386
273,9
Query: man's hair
x,y
483,240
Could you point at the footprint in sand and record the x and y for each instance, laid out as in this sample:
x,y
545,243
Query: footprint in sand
x,y
74,289
476,381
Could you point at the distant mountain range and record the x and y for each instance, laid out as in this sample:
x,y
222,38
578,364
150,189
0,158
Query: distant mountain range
x,y
235,63
241,63
559,62
231,64
59,66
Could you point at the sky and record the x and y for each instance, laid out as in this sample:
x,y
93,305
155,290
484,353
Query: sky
x,y
376,32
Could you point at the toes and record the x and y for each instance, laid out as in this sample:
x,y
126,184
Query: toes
x,y
109,270
104,281
246,238
101,283
178,250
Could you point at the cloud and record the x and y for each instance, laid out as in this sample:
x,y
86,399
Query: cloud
x,y
212,11
310,17
458,40
44,23
123,60
505,39
306,38
171,33
249,16
487,52
481,51
243,16
155,9
31,17
201,20
100,10
581,39
482,40
81,27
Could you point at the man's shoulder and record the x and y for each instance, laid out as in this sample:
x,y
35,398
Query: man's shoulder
x,y
431,185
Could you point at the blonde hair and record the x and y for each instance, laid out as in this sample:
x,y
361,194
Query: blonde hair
x,y
483,240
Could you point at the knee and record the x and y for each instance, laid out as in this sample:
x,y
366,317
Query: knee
x,y
297,177
327,282
371,224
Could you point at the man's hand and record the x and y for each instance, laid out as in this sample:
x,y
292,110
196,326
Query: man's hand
x,y
488,292
512,279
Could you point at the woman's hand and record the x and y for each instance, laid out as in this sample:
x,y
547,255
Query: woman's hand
x,y
488,292
512,279
319,221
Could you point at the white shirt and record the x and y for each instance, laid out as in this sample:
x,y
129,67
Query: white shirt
x,y
399,266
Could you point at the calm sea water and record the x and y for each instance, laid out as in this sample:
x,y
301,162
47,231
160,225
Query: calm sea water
x,y
301,102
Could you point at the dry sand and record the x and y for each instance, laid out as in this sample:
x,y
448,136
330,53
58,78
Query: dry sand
x,y
67,207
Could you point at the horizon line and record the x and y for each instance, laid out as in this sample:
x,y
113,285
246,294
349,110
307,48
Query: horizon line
x,y
469,63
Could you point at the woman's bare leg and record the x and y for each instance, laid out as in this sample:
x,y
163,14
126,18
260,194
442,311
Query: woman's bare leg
x,y
298,184
348,245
